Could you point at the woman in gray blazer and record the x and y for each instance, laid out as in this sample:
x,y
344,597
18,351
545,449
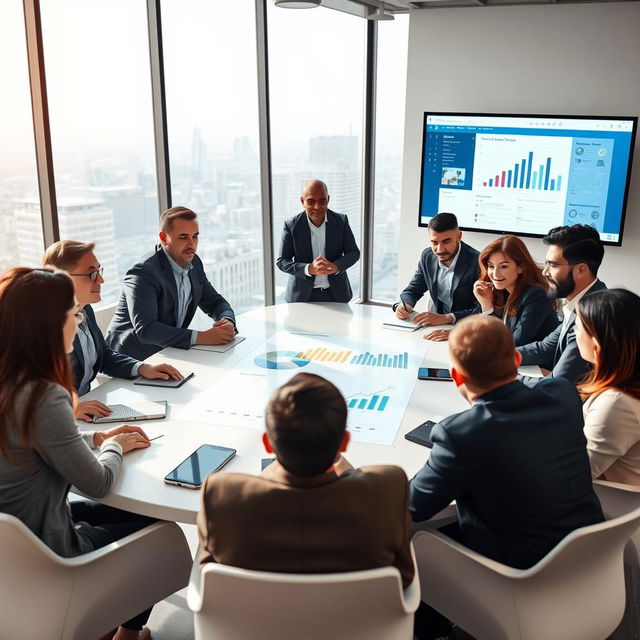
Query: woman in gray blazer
x,y
42,453
608,336
512,287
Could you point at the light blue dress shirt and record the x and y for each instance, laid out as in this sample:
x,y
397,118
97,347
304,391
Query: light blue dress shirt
x,y
183,284
444,278
318,244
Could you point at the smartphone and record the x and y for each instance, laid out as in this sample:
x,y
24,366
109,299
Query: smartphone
x,y
265,462
192,472
422,434
433,373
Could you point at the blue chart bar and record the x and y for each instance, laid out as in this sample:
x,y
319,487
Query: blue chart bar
x,y
524,168
406,360
352,403
491,182
395,362
552,185
529,169
535,180
546,175
369,403
515,175
372,403
385,360
509,178
363,403
383,403
558,183
540,175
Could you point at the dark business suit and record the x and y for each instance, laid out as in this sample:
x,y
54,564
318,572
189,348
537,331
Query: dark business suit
x,y
535,317
318,524
560,349
296,253
466,272
108,361
516,464
146,316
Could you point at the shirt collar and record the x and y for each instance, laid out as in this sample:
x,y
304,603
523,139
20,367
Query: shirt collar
x,y
177,269
571,305
277,473
453,262
313,226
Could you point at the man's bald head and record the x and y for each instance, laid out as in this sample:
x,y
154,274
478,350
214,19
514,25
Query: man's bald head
x,y
315,200
313,185
482,351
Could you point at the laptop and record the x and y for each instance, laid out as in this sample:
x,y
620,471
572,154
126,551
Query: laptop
x,y
133,411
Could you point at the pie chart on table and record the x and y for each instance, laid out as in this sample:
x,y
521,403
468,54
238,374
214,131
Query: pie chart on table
x,y
280,360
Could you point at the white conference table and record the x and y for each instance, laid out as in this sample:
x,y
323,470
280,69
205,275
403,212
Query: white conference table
x,y
140,487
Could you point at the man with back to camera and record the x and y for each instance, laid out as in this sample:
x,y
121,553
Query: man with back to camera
x,y
309,511
90,354
316,250
447,271
160,295
574,255
515,463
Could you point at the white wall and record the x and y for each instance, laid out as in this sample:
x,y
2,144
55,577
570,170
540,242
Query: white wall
x,y
579,59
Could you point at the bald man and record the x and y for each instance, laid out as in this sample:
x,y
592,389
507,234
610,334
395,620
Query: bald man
x,y
316,250
516,462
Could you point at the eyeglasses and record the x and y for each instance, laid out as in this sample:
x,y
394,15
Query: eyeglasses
x,y
555,265
92,275
79,316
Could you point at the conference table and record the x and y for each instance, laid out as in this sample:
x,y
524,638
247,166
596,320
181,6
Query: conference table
x,y
140,487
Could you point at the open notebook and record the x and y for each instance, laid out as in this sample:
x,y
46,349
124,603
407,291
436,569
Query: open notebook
x,y
135,411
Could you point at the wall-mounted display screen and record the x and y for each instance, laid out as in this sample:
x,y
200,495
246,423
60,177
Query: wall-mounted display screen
x,y
524,174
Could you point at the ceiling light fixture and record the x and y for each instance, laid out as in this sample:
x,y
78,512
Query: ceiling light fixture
x,y
297,4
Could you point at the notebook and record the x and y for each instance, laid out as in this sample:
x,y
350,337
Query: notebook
x,y
134,411
158,382
401,325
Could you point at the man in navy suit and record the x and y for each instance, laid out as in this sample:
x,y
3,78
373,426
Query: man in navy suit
x,y
161,294
447,270
316,250
515,463
90,354
574,255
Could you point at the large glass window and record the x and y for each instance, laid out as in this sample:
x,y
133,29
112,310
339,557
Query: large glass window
x,y
391,90
20,220
99,86
316,76
212,112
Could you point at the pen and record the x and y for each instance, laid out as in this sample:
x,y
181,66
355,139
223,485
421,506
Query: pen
x,y
156,437
404,306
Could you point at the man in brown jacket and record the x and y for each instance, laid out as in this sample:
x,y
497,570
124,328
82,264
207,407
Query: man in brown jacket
x,y
309,511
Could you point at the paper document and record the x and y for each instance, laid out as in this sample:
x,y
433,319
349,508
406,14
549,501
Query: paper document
x,y
219,348
401,325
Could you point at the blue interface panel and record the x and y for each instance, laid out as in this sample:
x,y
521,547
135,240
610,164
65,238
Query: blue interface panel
x,y
527,174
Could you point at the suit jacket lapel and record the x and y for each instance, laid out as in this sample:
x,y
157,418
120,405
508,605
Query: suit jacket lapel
x,y
78,369
96,336
302,241
458,272
330,248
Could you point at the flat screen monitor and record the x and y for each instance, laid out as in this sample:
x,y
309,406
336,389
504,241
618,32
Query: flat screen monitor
x,y
524,174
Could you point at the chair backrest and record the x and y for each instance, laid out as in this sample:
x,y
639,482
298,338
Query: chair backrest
x,y
34,585
617,499
576,592
236,604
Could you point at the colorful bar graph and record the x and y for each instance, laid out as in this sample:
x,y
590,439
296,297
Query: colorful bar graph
x,y
324,355
369,403
384,360
522,176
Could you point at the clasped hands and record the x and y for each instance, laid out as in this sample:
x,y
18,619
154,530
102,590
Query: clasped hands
x,y
322,267
222,331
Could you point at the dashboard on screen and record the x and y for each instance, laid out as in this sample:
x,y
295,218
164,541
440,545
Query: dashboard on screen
x,y
524,174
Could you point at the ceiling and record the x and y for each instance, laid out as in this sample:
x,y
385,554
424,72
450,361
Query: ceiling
x,y
366,8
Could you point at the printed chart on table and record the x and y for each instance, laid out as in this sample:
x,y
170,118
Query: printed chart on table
x,y
377,382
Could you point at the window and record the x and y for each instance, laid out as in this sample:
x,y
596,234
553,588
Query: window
x,y
99,87
20,220
212,112
316,76
391,89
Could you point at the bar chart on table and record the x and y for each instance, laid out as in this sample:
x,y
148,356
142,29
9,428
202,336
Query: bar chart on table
x,y
376,401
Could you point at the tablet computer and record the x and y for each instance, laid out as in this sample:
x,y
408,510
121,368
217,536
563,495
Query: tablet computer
x,y
157,382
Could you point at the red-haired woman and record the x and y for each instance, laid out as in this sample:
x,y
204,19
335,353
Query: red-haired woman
x,y
608,336
42,452
511,286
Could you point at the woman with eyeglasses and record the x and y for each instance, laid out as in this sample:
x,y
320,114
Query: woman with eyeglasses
x,y
608,336
90,354
42,453
512,287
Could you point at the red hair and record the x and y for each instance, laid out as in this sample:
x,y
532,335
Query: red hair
x,y
514,249
33,310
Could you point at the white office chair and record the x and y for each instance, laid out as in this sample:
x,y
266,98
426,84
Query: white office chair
x,y
576,592
617,499
46,597
237,604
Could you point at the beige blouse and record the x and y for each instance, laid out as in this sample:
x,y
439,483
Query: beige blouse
x,y
612,429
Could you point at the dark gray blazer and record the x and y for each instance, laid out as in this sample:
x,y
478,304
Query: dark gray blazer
x,y
559,349
146,317
466,272
109,361
296,253
535,317
516,464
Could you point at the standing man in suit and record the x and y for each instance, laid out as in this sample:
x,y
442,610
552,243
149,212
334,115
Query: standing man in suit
x,y
309,511
90,354
160,295
316,250
574,255
447,271
515,463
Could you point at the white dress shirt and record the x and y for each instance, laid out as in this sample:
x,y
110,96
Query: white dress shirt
x,y
318,244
